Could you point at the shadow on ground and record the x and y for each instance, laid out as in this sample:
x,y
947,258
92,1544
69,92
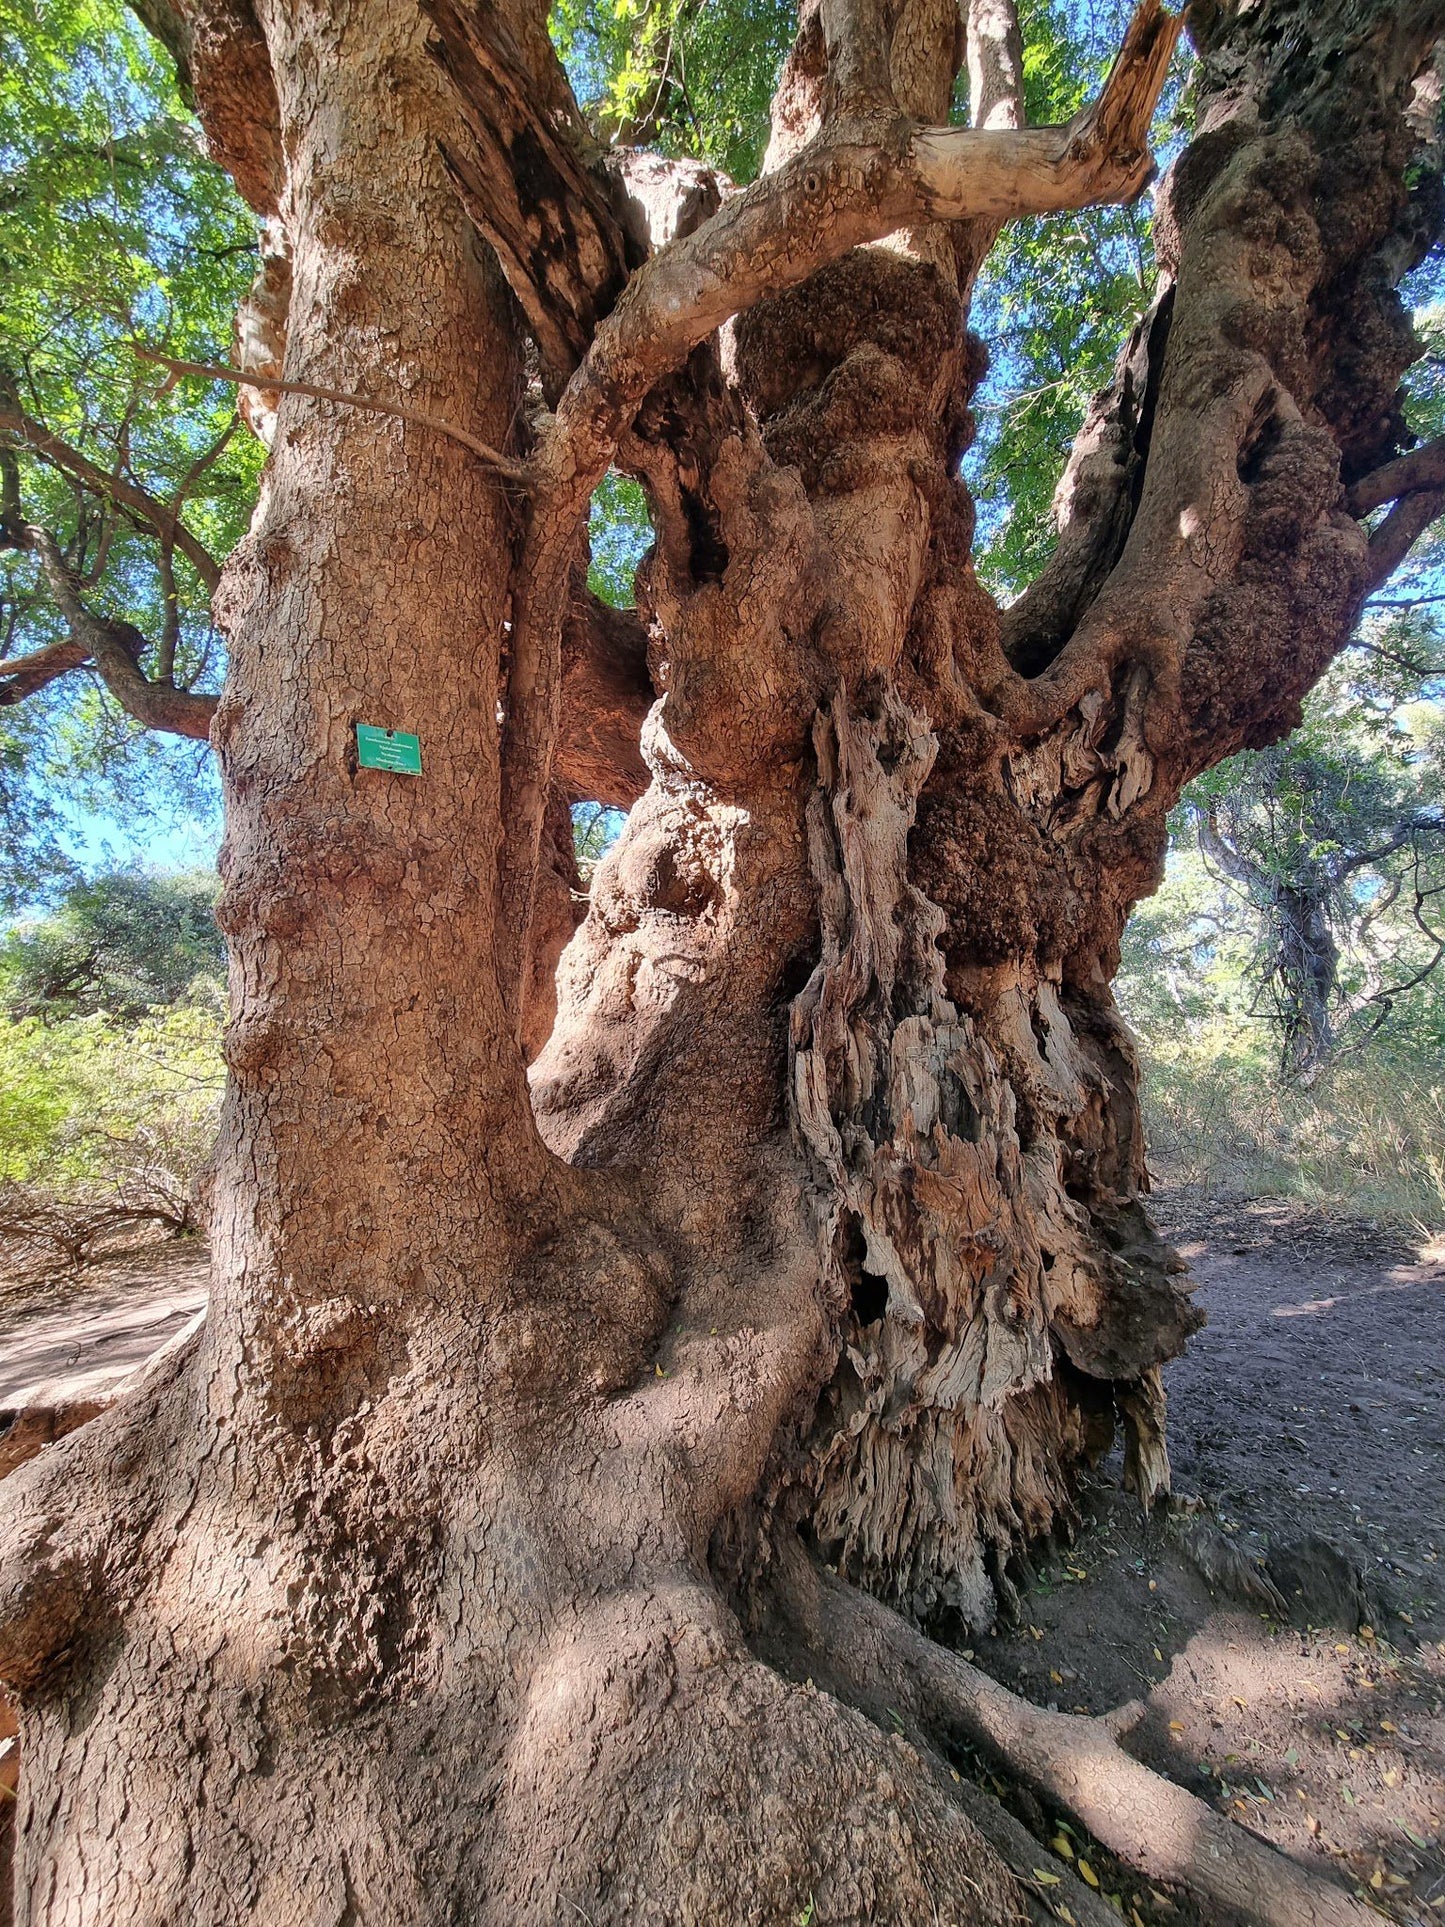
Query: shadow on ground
x,y
1311,1409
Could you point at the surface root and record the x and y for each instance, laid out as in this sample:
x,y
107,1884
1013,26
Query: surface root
x,y
873,1657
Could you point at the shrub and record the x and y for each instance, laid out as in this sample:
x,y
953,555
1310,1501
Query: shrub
x,y
104,1123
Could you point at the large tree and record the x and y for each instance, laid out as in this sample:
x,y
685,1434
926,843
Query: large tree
x,y
566,1468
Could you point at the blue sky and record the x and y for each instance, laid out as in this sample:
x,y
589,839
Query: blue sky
x,y
100,840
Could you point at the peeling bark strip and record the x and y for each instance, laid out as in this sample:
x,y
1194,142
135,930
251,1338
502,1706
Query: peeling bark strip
x,y
432,1580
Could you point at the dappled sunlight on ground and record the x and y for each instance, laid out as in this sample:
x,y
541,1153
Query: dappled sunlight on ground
x,y
1313,1404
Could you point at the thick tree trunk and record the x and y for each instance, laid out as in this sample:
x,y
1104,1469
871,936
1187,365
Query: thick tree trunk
x,y
419,1587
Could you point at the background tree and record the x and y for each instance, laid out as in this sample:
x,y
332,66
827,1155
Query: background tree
x,y
1335,840
1343,816
123,943
543,1439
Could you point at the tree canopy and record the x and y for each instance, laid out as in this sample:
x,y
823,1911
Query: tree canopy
x,y
120,495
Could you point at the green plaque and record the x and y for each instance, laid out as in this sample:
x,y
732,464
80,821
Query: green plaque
x,y
387,749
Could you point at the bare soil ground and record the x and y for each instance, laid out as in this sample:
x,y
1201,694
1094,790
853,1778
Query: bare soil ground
x,y
1312,1406
74,1337
1311,1409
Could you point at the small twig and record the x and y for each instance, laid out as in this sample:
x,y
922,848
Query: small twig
x,y
202,462
211,371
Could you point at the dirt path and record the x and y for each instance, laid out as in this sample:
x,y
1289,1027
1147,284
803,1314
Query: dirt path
x,y
1313,1403
63,1344
1314,1399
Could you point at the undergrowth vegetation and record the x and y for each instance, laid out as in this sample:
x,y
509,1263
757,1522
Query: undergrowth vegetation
x,y
110,1065
1367,1140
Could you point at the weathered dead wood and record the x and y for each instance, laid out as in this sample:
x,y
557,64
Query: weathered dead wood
x,y
524,182
1074,1761
967,1262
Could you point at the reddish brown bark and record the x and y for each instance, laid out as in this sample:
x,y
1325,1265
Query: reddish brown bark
x,y
429,1582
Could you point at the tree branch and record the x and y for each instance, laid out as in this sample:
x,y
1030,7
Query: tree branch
x,y
995,64
199,466
136,501
1401,529
1395,602
1422,468
116,648
1233,862
22,676
169,25
860,184
212,371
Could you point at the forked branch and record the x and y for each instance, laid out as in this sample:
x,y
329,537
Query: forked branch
x,y
856,185
1421,468
115,648
1415,484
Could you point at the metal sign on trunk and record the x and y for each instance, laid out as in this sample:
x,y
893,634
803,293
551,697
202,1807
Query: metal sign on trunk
x,y
388,749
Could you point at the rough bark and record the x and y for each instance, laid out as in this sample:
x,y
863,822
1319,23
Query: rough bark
x,y
425,1583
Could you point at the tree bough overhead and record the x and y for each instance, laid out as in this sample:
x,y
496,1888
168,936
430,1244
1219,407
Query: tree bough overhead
x,y
464,1564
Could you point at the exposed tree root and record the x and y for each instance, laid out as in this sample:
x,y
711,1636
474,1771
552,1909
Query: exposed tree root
x,y
1018,1849
876,1659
